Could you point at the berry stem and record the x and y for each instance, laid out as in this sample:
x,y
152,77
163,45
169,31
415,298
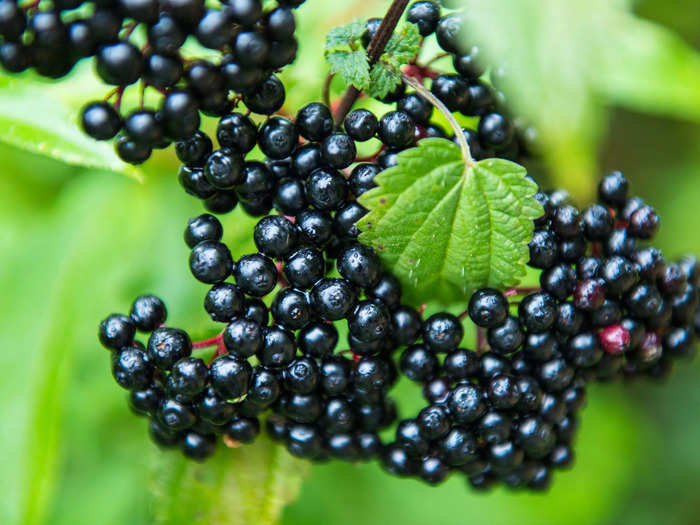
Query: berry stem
x,y
128,29
374,51
118,100
520,291
327,90
435,59
220,350
459,134
208,342
480,340
419,72
32,5
280,275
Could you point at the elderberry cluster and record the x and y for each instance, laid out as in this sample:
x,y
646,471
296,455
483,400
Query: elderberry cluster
x,y
253,44
503,411
507,412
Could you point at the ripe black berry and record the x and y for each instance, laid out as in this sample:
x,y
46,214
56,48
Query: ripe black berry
x,y
452,90
210,262
278,138
188,377
338,150
488,308
117,331
275,236
132,369
148,312
361,124
255,274
291,309
230,376
506,338
612,190
326,189
243,429
301,375
100,120
267,98
168,345
396,129
537,312
443,332
279,347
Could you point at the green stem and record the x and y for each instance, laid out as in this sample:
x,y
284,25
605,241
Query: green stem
x,y
461,139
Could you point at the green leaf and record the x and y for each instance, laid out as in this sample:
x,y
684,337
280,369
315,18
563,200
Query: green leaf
x,y
35,119
449,229
245,486
383,79
352,66
345,35
652,69
404,45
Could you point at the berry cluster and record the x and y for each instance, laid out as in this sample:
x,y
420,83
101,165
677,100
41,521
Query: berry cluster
x,y
505,411
294,150
620,306
252,44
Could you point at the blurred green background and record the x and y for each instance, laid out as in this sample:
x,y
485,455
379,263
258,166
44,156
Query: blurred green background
x,y
79,242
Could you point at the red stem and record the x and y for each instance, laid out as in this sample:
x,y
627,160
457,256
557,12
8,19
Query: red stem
x,y
208,342
371,158
521,291
280,276
480,340
419,72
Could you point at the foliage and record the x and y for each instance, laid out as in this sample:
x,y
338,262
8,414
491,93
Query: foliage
x,y
347,57
572,60
450,228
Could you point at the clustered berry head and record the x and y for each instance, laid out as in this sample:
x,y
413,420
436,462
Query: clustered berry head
x,y
501,409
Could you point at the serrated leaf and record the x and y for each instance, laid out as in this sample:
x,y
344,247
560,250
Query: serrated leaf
x,y
383,79
352,66
404,45
34,120
245,486
345,35
447,229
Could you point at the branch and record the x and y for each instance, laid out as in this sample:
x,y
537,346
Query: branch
x,y
374,51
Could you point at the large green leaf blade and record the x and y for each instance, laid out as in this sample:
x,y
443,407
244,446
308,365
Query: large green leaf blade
x,y
575,59
49,126
651,69
246,486
447,229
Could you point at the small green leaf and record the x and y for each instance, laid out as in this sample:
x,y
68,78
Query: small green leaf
x,y
404,45
50,127
352,66
383,79
345,35
246,486
447,229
